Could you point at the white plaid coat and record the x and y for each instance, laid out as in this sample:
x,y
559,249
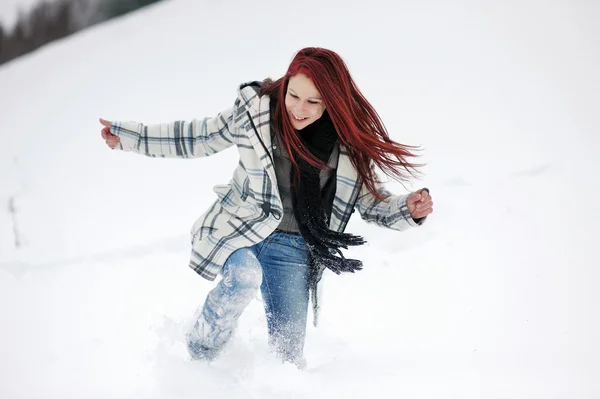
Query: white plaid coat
x,y
248,208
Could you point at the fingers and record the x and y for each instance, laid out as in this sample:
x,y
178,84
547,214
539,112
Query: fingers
x,y
112,143
413,198
424,208
420,203
111,140
417,214
105,123
106,133
421,195
424,205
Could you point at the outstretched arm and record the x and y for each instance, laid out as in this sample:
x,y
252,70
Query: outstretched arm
x,y
397,212
198,138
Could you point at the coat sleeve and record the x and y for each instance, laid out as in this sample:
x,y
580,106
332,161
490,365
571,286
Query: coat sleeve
x,y
180,139
391,213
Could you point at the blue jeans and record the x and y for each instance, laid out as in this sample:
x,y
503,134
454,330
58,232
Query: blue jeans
x,y
279,266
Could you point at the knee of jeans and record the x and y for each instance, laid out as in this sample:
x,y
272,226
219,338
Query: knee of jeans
x,y
248,274
243,269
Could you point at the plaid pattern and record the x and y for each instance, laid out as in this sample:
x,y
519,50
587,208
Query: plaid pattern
x,y
249,208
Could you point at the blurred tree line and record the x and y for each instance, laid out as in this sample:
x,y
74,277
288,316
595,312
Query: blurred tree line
x,y
50,20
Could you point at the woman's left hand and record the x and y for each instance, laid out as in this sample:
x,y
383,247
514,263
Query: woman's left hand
x,y
420,203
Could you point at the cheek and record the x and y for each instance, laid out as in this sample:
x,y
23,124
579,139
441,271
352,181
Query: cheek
x,y
289,102
319,112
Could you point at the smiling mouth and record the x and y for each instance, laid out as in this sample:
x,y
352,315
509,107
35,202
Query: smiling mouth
x,y
298,119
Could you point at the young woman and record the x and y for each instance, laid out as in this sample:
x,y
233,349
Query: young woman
x,y
309,146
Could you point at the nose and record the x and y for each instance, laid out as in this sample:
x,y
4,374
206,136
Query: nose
x,y
299,108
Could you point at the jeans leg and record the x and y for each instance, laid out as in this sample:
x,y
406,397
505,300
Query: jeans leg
x,y
242,276
285,291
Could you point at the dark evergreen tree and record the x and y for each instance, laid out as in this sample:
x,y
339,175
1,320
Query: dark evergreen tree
x,y
55,19
114,8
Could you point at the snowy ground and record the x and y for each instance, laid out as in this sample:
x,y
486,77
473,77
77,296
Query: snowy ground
x,y
494,297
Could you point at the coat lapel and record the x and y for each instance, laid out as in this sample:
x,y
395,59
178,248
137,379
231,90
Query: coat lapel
x,y
259,128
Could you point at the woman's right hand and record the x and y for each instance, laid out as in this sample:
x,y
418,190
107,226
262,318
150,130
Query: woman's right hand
x,y
111,139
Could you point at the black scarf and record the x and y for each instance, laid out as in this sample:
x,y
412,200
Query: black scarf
x,y
324,244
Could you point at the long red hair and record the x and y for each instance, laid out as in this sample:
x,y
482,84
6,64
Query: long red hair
x,y
358,125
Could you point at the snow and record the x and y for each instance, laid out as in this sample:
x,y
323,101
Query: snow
x,y
493,297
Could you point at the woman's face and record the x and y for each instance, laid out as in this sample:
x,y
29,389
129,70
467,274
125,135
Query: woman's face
x,y
303,102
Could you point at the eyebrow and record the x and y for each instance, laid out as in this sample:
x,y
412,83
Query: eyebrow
x,y
313,98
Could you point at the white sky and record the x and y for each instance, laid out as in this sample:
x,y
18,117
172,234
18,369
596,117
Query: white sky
x,y
494,297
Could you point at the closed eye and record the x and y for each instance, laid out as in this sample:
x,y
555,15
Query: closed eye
x,y
309,101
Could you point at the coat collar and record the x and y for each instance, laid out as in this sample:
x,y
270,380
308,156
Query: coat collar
x,y
255,118
248,94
